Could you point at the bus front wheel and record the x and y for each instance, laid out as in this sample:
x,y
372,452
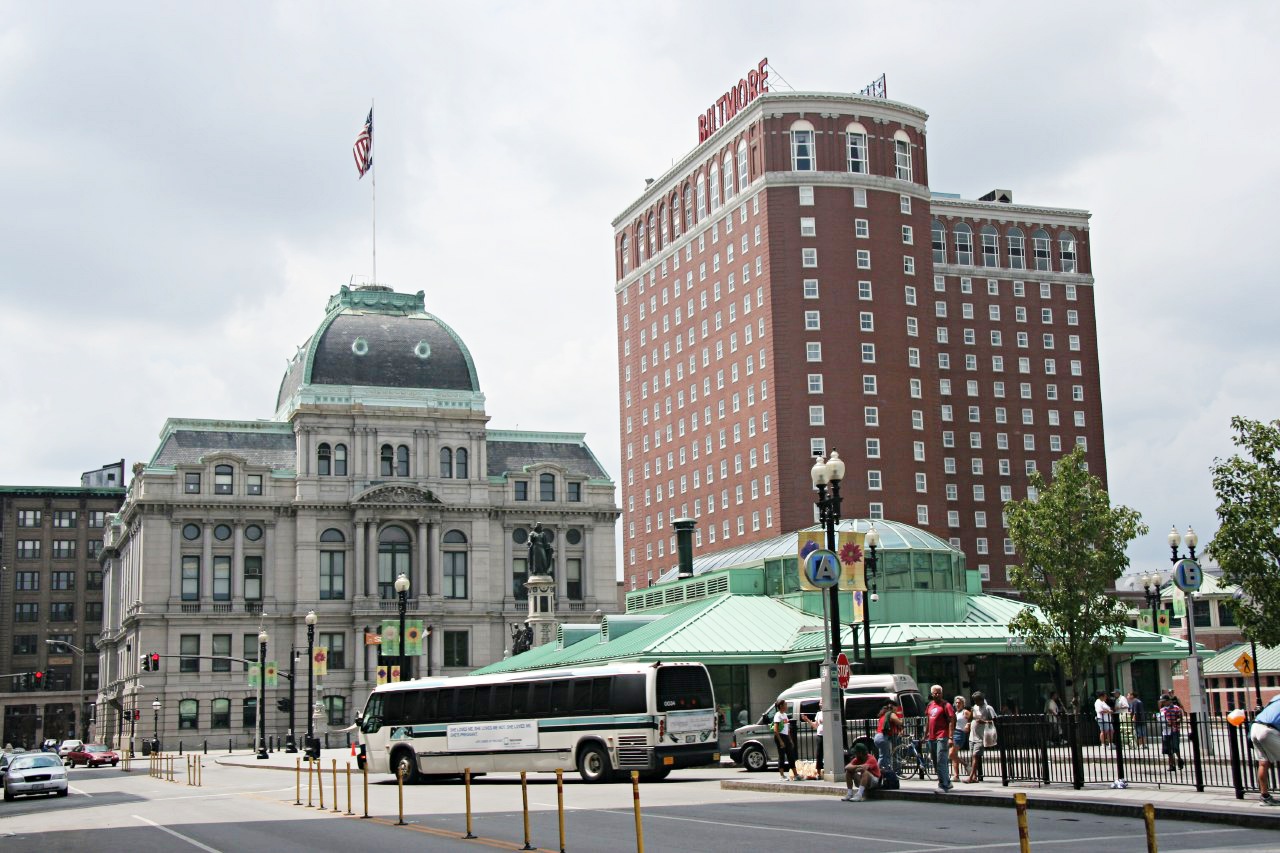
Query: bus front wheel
x,y
593,764
404,764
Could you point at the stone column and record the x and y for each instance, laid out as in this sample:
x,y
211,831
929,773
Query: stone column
x,y
237,561
421,583
588,588
562,582
134,582
371,558
361,586
270,563
206,563
435,586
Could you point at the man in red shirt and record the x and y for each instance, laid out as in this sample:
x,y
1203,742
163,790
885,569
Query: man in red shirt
x,y
939,727
863,770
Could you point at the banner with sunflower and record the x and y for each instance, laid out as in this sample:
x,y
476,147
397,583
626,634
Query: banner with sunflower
x,y
255,675
413,632
273,674
849,547
390,638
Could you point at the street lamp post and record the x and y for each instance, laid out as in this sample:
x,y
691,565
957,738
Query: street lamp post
x,y
829,473
290,742
402,594
872,541
262,694
82,722
1152,583
311,663
155,711
1196,689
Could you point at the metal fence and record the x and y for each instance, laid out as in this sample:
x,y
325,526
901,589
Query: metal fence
x,y
1206,752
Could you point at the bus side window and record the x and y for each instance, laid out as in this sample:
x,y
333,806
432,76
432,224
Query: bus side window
x,y
582,695
600,688
560,697
412,710
372,714
427,698
500,702
482,708
393,709
540,704
444,705
519,700
628,694
465,711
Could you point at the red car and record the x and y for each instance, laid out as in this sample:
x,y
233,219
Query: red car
x,y
92,754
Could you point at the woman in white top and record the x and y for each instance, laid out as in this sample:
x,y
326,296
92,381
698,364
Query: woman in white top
x,y
960,740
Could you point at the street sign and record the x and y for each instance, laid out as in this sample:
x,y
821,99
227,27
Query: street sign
x,y
842,670
1187,575
1244,664
822,568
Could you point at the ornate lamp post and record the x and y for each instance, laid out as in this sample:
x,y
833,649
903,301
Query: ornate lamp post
x,y
262,694
1152,583
311,662
402,594
823,474
155,711
872,541
1190,540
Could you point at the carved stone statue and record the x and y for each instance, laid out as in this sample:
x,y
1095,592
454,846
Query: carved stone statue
x,y
541,553
521,638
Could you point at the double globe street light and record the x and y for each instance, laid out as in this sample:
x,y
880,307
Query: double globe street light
x,y
402,595
826,475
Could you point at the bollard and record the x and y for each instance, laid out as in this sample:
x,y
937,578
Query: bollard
x,y
308,782
206,746
635,797
400,788
349,811
188,771
365,771
297,781
524,795
179,747
335,785
1149,816
200,772
1024,837
466,778
319,785
228,745
560,803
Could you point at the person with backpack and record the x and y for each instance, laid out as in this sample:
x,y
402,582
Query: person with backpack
x,y
864,771
888,734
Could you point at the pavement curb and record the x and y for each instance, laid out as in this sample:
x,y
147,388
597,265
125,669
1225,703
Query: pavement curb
x,y
1249,819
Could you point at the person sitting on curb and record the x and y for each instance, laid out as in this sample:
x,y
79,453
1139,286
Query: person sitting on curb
x,y
864,771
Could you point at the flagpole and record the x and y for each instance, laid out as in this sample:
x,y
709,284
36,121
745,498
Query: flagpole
x,y
374,183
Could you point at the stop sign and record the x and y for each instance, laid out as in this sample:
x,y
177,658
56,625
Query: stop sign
x,y
842,670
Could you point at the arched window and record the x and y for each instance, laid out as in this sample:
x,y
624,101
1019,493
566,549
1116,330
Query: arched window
x,y
340,460
688,208
855,136
324,460
1017,249
653,237
333,565
1040,249
675,215
388,461
220,714
802,157
939,234
702,196
1067,251
188,714
393,559
662,219
744,168
727,165
990,246
454,545
546,487
902,155
446,463
713,178
964,245
460,463
624,251
223,479
640,233
402,461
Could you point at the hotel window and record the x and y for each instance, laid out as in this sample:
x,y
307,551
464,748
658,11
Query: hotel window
x,y
1067,251
813,351
1017,249
953,518
1078,418
728,183
859,197
812,320
1071,292
817,447
990,246
864,290
993,287
64,549
817,416
979,519
864,259
802,157
873,480
861,228
856,147
948,438
866,321
1076,368
806,200
922,514
908,265
810,288
964,244
1050,366
868,353
873,448
713,179
902,157
743,177
939,308
815,383
938,237
917,419
808,226
871,415
869,384
913,327
910,293
809,257
922,483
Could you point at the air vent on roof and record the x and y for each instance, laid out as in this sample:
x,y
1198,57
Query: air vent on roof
x,y
1002,196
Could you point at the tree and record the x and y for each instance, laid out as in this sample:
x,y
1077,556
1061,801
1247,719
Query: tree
x,y
1072,543
1247,544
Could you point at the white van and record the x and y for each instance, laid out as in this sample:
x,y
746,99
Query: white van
x,y
753,745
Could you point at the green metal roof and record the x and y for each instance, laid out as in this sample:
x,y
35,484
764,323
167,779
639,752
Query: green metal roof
x,y
1268,660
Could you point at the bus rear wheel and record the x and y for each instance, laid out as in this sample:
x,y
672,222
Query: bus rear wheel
x,y
403,763
593,764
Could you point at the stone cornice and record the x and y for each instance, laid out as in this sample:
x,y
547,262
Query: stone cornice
x,y
1011,213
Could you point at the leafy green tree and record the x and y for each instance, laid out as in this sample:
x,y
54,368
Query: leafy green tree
x,y
1247,544
1072,543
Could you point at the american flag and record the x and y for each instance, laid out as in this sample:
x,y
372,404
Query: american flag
x,y
363,149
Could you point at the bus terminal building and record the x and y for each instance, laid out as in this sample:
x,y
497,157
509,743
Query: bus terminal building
x,y
745,615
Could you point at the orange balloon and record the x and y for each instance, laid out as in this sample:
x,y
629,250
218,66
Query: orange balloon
x,y
1236,717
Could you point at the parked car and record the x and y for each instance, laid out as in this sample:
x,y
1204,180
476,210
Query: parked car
x,y
92,755
35,773
753,745
67,745
49,745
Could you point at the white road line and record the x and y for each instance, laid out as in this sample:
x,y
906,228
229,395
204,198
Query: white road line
x,y
1040,841
78,791
845,835
190,841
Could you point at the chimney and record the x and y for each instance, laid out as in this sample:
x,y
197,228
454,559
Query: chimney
x,y
684,544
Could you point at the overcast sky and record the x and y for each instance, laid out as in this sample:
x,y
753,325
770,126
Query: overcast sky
x,y
178,198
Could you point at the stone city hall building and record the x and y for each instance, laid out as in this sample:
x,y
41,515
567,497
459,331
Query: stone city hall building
x,y
378,462
794,286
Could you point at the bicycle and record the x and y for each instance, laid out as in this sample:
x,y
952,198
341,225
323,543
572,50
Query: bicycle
x,y
913,759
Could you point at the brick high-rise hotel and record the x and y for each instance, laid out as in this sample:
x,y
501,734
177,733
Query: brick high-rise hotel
x,y
793,286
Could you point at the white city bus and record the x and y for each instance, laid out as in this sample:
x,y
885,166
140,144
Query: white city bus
x,y
600,720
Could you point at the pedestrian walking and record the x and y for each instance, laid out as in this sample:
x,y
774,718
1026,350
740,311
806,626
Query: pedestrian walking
x,y
1138,711
1265,736
960,740
983,736
940,728
1171,733
785,738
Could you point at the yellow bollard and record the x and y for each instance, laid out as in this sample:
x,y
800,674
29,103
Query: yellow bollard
x,y
349,811
1149,815
199,771
297,781
190,773
560,803
335,784
365,770
466,778
320,784
635,797
309,769
524,795
173,762
400,787
1024,837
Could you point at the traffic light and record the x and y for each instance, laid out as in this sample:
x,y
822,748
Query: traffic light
x,y
155,661
38,679
144,663
284,705
313,748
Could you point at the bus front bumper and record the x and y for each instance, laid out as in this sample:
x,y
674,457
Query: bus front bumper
x,y
683,756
